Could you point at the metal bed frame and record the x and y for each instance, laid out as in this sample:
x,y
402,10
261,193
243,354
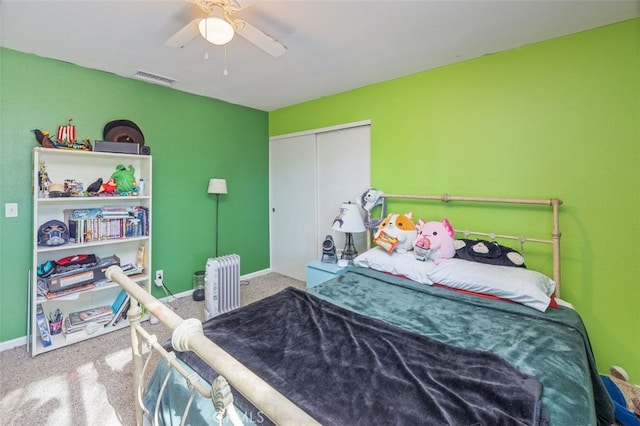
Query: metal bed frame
x,y
187,335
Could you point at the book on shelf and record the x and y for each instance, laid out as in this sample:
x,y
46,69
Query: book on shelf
x,y
43,326
122,313
119,307
115,212
120,300
130,269
82,214
62,293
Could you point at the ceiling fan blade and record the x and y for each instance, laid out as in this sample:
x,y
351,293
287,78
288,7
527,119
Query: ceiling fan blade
x,y
185,35
260,39
243,4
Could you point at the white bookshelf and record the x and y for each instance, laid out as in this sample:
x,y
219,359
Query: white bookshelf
x,y
84,167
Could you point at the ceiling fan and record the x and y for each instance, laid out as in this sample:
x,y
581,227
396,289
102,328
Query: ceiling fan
x,y
219,26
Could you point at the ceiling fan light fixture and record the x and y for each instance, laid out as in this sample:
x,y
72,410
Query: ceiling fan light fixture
x,y
216,30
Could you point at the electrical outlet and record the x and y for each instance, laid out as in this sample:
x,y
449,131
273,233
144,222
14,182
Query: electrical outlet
x,y
159,276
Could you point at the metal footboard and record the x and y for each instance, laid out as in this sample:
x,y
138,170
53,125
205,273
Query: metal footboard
x,y
187,334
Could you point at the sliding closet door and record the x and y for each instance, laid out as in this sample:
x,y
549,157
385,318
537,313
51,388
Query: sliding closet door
x,y
292,174
343,168
311,174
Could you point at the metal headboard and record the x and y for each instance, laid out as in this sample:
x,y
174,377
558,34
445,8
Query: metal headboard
x,y
554,203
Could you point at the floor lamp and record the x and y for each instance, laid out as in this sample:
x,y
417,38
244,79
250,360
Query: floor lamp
x,y
217,187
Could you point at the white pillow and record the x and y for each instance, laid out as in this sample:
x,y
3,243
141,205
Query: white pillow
x,y
404,264
521,285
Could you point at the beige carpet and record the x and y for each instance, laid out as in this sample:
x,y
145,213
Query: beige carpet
x,y
89,383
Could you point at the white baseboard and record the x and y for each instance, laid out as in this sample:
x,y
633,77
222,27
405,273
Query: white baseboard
x,y
21,341
10,344
255,274
242,278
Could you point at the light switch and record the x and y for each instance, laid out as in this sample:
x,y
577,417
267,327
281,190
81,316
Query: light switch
x,y
11,210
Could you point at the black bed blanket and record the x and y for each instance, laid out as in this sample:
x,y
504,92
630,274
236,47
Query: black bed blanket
x,y
344,368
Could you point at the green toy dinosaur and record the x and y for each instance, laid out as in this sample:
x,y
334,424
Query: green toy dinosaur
x,y
125,179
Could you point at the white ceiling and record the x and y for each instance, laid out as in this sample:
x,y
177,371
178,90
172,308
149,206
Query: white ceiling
x,y
332,46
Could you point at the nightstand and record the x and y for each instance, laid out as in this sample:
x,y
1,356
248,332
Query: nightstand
x,y
319,272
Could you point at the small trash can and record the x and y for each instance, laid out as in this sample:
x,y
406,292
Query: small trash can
x,y
198,286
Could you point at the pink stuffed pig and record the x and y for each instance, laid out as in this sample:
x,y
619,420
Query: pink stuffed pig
x,y
441,236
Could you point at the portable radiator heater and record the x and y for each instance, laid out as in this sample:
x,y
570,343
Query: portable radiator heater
x,y
221,285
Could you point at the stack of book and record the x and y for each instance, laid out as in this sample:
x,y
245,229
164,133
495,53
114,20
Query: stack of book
x,y
107,223
115,212
130,269
107,316
89,318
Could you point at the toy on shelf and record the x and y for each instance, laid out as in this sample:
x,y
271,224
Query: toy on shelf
x,y
53,233
57,190
94,188
43,178
109,187
121,182
42,136
73,188
66,138
125,179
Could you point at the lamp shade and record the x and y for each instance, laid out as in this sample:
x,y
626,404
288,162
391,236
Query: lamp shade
x,y
349,219
217,186
216,30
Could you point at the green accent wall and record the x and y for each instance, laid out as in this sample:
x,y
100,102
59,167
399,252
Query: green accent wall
x,y
192,139
560,118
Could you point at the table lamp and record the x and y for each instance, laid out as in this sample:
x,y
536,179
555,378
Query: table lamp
x,y
349,220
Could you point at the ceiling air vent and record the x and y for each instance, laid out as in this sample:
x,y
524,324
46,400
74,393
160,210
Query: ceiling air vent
x,y
153,78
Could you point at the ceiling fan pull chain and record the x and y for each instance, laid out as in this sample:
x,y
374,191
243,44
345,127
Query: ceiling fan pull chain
x,y
206,50
225,72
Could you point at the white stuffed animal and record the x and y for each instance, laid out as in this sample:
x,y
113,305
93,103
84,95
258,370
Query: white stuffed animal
x,y
371,198
396,232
